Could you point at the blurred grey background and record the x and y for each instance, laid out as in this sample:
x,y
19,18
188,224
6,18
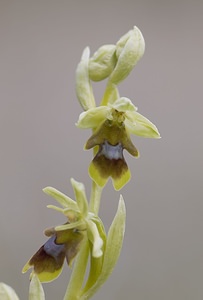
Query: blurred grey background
x,y
41,43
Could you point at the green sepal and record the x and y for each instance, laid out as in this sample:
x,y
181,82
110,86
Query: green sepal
x,y
69,226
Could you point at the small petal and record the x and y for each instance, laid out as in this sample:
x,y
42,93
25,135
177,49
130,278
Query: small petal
x,y
141,126
63,200
68,226
59,209
93,117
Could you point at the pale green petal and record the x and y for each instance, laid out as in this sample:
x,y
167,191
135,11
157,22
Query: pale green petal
x,y
95,239
7,292
124,104
59,209
64,200
141,126
36,291
76,225
80,196
93,118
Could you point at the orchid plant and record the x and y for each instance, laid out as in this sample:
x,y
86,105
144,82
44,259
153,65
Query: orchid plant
x,y
82,238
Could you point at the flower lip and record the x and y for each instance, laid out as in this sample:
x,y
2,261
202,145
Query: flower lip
x,y
110,160
112,138
48,261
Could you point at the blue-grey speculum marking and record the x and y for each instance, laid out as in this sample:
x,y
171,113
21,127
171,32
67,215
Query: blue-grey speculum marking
x,y
110,151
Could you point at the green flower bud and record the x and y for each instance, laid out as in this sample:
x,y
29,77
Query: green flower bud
x,y
129,49
83,87
102,63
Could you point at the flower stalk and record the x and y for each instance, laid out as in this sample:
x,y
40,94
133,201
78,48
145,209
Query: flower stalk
x,y
77,277
82,237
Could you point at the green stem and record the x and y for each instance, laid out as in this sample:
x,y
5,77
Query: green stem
x,y
78,274
111,93
95,198
77,278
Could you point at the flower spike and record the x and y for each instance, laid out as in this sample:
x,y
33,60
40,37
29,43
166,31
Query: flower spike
x,y
82,235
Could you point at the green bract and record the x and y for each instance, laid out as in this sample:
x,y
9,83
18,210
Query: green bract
x,y
99,272
36,291
7,293
112,125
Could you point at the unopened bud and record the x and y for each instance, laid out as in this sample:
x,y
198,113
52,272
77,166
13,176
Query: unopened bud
x,y
102,63
129,49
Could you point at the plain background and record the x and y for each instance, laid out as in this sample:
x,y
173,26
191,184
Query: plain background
x,y
41,43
